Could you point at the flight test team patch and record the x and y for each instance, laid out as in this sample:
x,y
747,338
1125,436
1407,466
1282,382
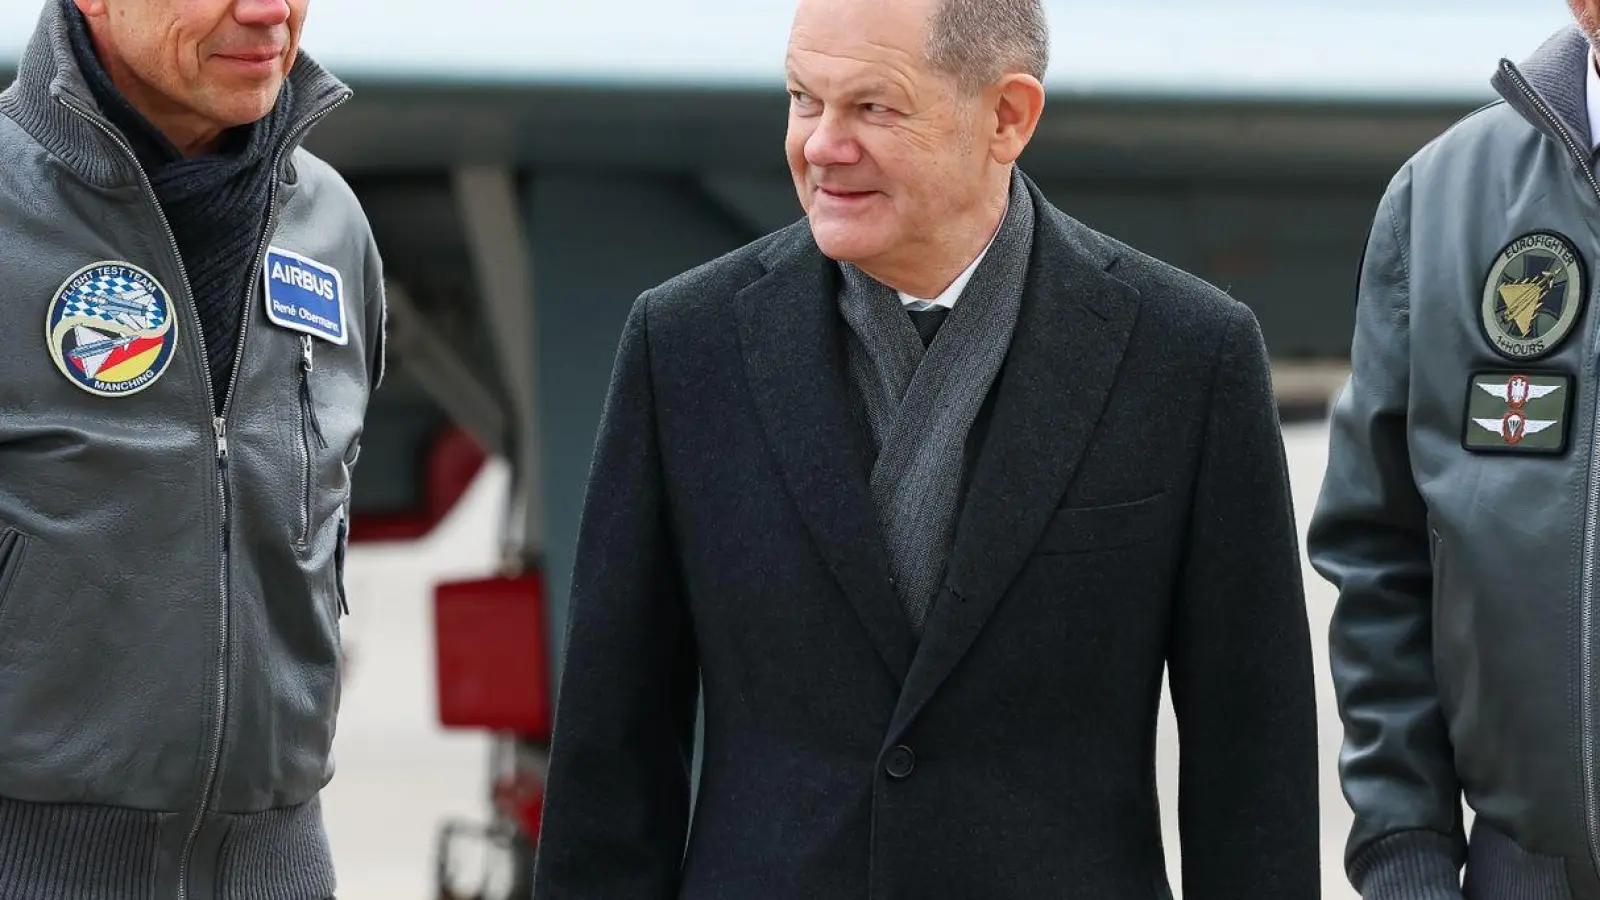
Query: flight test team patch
x,y
111,330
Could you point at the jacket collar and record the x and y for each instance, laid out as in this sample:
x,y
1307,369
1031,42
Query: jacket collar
x,y
1550,89
51,100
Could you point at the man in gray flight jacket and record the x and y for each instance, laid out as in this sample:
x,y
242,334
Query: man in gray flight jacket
x,y
196,313
1459,513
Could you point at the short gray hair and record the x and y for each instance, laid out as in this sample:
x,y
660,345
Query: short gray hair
x,y
978,41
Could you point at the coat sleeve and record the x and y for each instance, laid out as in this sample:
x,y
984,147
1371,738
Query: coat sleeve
x,y
617,797
1239,657
1369,537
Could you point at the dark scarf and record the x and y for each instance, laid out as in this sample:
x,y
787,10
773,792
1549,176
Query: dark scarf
x,y
923,395
216,204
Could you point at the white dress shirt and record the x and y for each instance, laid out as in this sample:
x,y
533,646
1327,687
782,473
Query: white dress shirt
x,y
1594,103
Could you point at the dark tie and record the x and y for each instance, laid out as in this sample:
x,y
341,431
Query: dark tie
x,y
927,321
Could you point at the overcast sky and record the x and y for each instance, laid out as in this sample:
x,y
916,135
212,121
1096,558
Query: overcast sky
x,y
1423,48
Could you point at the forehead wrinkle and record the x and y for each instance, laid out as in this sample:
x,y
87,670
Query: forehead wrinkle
x,y
863,50
860,77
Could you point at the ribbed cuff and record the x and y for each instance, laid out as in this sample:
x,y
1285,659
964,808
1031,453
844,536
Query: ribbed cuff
x,y
1411,865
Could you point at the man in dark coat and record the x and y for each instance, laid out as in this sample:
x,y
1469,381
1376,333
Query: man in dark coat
x,y
921,495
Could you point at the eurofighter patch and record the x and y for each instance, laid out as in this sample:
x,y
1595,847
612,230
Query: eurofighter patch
x,y
1533,296
304,295
111,330
1510,412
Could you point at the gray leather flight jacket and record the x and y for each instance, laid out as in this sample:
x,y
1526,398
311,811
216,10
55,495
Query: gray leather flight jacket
x,y
1460,508
170,580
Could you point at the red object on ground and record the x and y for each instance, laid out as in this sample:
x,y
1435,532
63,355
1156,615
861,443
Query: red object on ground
x,y
492,656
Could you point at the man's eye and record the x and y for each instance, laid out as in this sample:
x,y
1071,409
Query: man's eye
x,y
875,108
800,96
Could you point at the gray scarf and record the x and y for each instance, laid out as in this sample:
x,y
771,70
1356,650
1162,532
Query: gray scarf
x,y
921,403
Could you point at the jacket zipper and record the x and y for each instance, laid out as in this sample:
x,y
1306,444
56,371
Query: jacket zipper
x,y
219,426
310,429
1586,592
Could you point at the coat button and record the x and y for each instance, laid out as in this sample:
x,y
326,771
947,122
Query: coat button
x,y
900,762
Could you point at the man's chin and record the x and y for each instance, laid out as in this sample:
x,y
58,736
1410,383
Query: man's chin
x,y
842,242
244,104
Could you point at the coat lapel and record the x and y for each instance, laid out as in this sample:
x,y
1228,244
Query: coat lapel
x,y
793,346
1071,333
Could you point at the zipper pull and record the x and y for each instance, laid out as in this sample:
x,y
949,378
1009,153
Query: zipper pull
x,y
221,426
306,400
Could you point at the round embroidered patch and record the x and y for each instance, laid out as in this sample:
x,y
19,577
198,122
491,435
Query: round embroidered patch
x,y
111,329
1534,295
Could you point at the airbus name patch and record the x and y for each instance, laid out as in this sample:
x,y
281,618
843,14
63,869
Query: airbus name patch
x,y
305,295
1518,412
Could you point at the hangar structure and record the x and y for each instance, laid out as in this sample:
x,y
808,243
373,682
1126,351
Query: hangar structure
x,y
529,167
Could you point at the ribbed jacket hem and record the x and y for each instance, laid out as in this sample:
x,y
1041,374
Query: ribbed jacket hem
x,y
1498,868
79,852
50,852
281,854
1411,865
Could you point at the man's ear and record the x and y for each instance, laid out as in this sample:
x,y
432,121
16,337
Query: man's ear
x,y
1018,104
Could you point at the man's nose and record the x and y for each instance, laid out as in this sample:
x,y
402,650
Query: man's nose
x,y
833,142
261,13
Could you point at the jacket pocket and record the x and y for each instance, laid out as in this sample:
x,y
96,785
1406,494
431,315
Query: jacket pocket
x,y
1083,529
339,548
311,438
13,545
